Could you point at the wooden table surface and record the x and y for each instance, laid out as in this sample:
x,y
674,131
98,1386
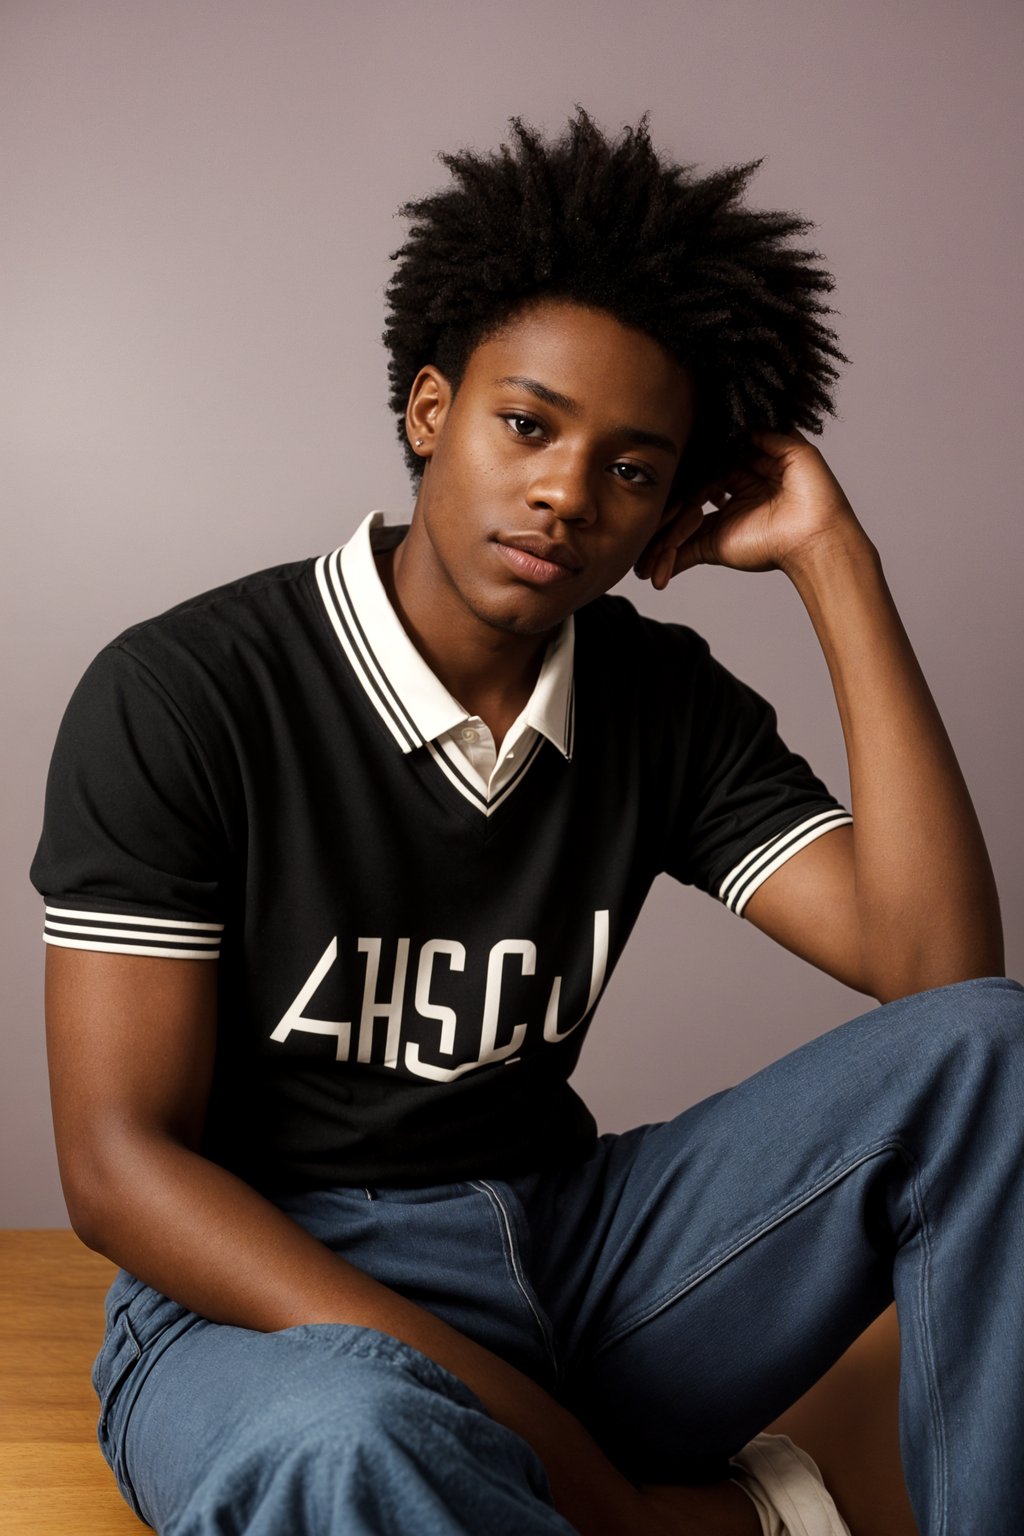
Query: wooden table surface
x,y
53,1479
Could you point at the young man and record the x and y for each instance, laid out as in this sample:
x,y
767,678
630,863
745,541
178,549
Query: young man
x,y
338,859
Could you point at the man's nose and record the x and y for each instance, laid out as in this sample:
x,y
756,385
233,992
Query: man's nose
x,y
564,485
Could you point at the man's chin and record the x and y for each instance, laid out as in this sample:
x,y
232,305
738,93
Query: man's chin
x,y
525,621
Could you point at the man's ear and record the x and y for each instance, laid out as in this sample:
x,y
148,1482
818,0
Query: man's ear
x,y
429,400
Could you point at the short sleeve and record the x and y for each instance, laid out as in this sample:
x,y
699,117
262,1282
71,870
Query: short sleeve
x,y
130,860
749,803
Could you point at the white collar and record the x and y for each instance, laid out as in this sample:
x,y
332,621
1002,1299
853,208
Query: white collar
x,y
413,703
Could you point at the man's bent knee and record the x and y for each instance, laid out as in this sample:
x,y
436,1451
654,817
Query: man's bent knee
x,y
361,1433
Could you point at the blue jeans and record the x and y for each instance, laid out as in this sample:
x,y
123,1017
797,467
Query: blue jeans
x,y
677,1289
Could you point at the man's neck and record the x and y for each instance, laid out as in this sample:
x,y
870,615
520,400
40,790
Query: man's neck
x,y
490,671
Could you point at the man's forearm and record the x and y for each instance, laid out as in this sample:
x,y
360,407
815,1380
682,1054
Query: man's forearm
x,y
925,895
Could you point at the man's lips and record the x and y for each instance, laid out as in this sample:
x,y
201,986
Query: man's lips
x,y
538,559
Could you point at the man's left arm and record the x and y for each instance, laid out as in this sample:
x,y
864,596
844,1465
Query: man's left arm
x,y
904,899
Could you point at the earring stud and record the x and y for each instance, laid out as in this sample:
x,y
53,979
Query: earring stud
x,y
419,442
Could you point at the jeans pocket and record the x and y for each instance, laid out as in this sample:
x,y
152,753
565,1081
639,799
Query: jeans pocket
x,y
112,1372
112,1367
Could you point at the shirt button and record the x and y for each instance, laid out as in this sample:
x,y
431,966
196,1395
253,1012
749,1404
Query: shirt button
x,y
469,734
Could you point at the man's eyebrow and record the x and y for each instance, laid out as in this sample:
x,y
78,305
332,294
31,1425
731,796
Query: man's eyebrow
x,y
571,408
543,392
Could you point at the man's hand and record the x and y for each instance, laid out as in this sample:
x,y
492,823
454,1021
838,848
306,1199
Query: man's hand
x,y
772,516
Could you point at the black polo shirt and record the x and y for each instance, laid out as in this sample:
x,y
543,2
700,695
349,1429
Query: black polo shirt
x,y
267,776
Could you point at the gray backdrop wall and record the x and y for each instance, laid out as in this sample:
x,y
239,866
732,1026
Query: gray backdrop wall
x,y
198,206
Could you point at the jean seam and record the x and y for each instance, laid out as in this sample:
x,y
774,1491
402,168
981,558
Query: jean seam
x,y
114,1386
190,1320
826,1182
119,1465
518,1273
931,1374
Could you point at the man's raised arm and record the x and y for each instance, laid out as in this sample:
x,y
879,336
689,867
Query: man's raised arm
x,y
904,900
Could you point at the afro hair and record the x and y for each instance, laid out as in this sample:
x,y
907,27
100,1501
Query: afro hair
x,y
610,224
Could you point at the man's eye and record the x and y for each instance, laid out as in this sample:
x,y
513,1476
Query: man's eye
x,y
634,474
524,426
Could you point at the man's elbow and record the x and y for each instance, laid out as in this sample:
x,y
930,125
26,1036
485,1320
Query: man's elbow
x,y
922,968
98,1176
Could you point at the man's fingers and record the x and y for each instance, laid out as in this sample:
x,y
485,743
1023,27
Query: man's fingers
x,y
716,492
778,442
685,523
698,549
668,539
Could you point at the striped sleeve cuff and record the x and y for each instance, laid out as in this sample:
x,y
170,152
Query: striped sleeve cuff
x,y
751,872
121,933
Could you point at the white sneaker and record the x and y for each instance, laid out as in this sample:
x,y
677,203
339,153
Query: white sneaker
x,y
786,1489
